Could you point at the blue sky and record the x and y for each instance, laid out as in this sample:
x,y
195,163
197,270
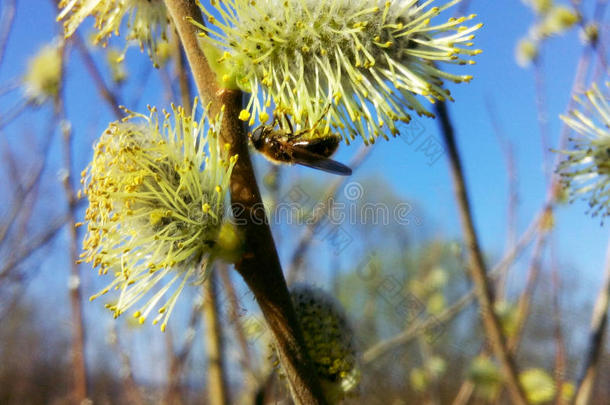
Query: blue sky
x,y
510,89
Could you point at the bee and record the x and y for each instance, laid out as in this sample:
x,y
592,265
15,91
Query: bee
x,y
289,147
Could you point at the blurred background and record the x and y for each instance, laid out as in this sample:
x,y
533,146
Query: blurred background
x,y
394,258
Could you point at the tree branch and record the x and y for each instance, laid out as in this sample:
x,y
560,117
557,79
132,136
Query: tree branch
x,y
79,389
260,266
217,385
599,324
478,269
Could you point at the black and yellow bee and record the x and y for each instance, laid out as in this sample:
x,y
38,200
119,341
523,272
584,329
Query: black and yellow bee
x,y
285,146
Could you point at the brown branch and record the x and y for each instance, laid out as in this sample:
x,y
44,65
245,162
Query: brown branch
x,y
180,72
560,346
26,203
598,15
170,95
173,389
132,392
205,79
260,266
178,360
78,361
478,268
253,378
32,245
217,385
512,189
464,393
234,315
22,190
79,369
22,208
597,335
523,304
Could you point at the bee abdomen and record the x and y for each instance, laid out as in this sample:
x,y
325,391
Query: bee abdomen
x,y
325,146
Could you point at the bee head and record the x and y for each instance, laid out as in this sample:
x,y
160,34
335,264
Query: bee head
x,y
258,136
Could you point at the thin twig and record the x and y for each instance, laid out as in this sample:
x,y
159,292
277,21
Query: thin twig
x,y
260,265
22,191
217,384
180,72
8,12
542,115
33,244
597,335
132,392
107,94
298,255
577,86
28,202
79,368
596,19
463,7
169,94
467,387
379,349
14,112
560,347
523,304
512,190
144,75
10,85
478,269
178,359
20,215
234,318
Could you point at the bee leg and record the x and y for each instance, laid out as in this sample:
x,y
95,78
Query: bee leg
x,y
289,123
276,120
315,125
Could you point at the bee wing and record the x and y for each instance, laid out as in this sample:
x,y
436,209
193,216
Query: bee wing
x,y
306,158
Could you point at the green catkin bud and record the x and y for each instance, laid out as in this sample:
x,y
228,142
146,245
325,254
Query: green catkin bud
x,y
329,340
557,20
526,52
539,386
43,75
